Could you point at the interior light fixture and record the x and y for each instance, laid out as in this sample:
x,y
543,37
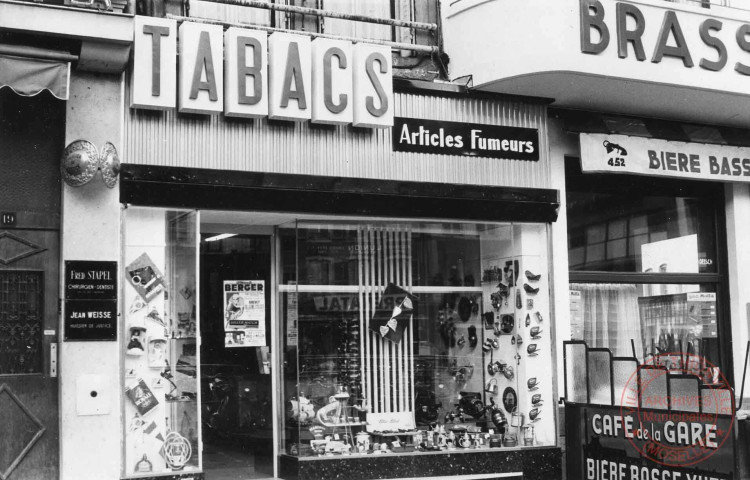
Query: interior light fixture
x,y
221,236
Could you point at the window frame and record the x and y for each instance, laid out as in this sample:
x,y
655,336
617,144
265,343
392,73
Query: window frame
x,y
637,185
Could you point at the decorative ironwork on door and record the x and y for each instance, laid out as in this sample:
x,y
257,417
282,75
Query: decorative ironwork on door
x,y
21,316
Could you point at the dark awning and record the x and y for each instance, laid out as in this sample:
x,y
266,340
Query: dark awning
x,y
30,75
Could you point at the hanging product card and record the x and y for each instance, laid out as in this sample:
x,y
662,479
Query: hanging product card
x,y
145,277
244,313
142,397
292,318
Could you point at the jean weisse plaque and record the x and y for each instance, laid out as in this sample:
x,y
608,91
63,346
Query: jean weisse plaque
x,y
90,280
91,320
466,139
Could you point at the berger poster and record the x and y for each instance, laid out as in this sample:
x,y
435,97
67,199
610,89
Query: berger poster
x,y
244,313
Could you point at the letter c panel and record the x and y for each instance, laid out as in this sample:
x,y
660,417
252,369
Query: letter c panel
x,y
332,81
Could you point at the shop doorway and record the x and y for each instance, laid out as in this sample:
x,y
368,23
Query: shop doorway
x,y
31,139
236,391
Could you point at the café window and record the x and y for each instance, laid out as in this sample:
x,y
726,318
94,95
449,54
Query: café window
x,y
645,269
409,337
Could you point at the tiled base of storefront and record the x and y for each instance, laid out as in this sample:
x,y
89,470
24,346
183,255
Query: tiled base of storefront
x,y
541,463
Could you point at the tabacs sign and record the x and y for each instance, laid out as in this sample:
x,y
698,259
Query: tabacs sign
x,y
247,73
650,156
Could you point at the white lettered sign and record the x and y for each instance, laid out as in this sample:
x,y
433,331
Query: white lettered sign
x,y
289,77
373,87
332,82
201,68
245,68
247,73
154,76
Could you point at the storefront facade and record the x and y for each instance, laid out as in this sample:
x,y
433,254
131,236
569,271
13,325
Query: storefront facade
x,y
647,151
371,299
312,293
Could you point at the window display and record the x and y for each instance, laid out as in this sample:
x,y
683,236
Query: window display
x,y
160,380
414,337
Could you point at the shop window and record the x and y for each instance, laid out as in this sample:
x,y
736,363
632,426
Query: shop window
x,y
414,337
160,360
645,275
622,230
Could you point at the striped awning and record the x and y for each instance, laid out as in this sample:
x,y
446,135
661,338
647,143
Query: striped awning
x,y
30,76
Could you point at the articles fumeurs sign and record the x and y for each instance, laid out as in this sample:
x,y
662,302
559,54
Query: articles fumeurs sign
x,y
466,139
247,73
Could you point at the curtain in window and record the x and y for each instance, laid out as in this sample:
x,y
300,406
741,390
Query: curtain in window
x,y
610,317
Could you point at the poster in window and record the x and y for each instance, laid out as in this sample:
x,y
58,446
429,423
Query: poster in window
x,y
145,277
244,313
142,397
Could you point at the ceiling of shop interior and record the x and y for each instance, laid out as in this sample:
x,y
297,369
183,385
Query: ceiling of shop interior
x,y
630,97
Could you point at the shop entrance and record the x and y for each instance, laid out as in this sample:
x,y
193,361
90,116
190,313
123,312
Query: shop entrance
x,y
236,391
31,139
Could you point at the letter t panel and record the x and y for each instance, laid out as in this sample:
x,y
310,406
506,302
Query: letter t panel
x,y
154,75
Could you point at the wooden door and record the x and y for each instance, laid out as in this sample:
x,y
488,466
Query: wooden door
x,y
31,138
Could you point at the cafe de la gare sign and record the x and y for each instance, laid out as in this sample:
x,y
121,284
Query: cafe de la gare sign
x,y
248,73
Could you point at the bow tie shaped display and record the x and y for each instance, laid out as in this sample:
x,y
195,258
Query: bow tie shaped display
x,y
393,313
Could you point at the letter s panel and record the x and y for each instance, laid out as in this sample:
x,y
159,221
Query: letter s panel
x,y
373,86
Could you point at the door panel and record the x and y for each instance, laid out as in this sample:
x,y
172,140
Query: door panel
x,y
32,135
29,279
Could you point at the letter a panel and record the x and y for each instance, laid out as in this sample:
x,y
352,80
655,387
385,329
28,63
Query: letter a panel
x,y
289,77
201,68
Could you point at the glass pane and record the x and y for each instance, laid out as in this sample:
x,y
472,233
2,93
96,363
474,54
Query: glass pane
x,y
417,336
600,377
668,325
575,373
613,231
21,322
160,381
623,378
653,382
236,401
